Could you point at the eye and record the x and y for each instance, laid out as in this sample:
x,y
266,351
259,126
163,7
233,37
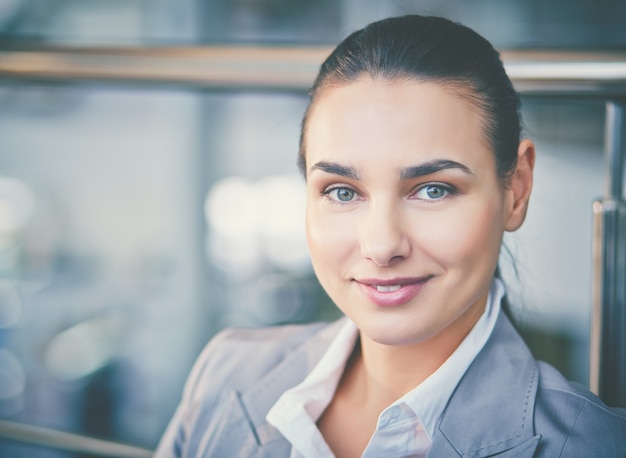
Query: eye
x,y
340,194
433,192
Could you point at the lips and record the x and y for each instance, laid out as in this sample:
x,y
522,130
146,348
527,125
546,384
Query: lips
x,y
392,292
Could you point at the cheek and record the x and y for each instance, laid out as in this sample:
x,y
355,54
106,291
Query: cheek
x,y
471,235
329,238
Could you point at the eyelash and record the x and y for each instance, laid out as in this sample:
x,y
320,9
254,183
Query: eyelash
x,y
327,192
447,189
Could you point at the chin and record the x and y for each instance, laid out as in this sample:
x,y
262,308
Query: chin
x,y
395,333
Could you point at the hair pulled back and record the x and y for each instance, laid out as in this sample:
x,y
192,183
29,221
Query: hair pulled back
x,y
433,49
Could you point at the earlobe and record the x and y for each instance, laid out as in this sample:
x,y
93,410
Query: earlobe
x,y
521,185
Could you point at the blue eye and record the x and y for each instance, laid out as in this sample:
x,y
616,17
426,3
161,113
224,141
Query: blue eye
x,y
343,194
432,192
340,194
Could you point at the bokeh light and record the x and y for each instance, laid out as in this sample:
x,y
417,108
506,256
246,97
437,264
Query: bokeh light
x,y
16,204
10,304
251,222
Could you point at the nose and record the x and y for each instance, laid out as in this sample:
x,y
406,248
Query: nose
x,y
383,236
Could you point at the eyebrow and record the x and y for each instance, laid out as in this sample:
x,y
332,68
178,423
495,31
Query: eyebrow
x,y
336,169
431,167
406,173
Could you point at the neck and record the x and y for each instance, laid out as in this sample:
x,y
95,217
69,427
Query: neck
x,y
385,373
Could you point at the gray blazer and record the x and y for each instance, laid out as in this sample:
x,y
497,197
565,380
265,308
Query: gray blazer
x,y
507,404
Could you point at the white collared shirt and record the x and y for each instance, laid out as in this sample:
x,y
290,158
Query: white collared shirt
x,y
406,427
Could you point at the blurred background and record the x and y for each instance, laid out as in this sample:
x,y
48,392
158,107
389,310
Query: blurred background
x,y
136,221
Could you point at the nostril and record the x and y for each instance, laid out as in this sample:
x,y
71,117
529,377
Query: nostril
x,y
384,256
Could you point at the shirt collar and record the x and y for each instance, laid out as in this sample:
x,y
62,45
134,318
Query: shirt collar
x,y
317,389
427,401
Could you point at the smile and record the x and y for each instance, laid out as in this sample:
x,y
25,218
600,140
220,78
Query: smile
x,y
392,292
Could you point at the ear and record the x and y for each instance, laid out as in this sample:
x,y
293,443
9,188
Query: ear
x,y
521,184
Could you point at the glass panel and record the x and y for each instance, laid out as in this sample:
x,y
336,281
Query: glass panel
x,y
254,212
101,308
520,23
98,22
135,225
552,250
132,22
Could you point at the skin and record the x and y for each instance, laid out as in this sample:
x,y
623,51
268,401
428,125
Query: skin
x,y
402,189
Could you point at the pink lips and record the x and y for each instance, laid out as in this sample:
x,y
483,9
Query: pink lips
x,y
391,292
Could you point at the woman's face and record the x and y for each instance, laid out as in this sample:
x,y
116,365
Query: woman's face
x,y
405,214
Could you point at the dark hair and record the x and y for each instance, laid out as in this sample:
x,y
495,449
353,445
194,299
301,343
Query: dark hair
x,y
426,48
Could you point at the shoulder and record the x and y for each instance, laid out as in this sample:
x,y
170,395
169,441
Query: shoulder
x,y
522,398
237,356
239,366
575,422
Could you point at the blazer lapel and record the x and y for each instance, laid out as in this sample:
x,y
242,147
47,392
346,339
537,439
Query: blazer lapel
x,y
505,375
470,427
250,406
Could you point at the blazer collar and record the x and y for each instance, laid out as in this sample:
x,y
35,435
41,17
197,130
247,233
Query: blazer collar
x,y
490,412
492,408
262,395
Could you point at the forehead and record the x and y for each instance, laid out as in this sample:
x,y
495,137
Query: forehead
x,y
415,119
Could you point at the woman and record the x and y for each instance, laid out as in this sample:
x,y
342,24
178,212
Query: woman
x,y
414,167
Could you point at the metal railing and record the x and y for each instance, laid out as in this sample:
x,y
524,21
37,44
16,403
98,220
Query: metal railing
x,y
607,346
284,68
542,73
51,438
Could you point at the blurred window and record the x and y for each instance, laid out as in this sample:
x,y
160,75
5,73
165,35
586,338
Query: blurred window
x,y
135,223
